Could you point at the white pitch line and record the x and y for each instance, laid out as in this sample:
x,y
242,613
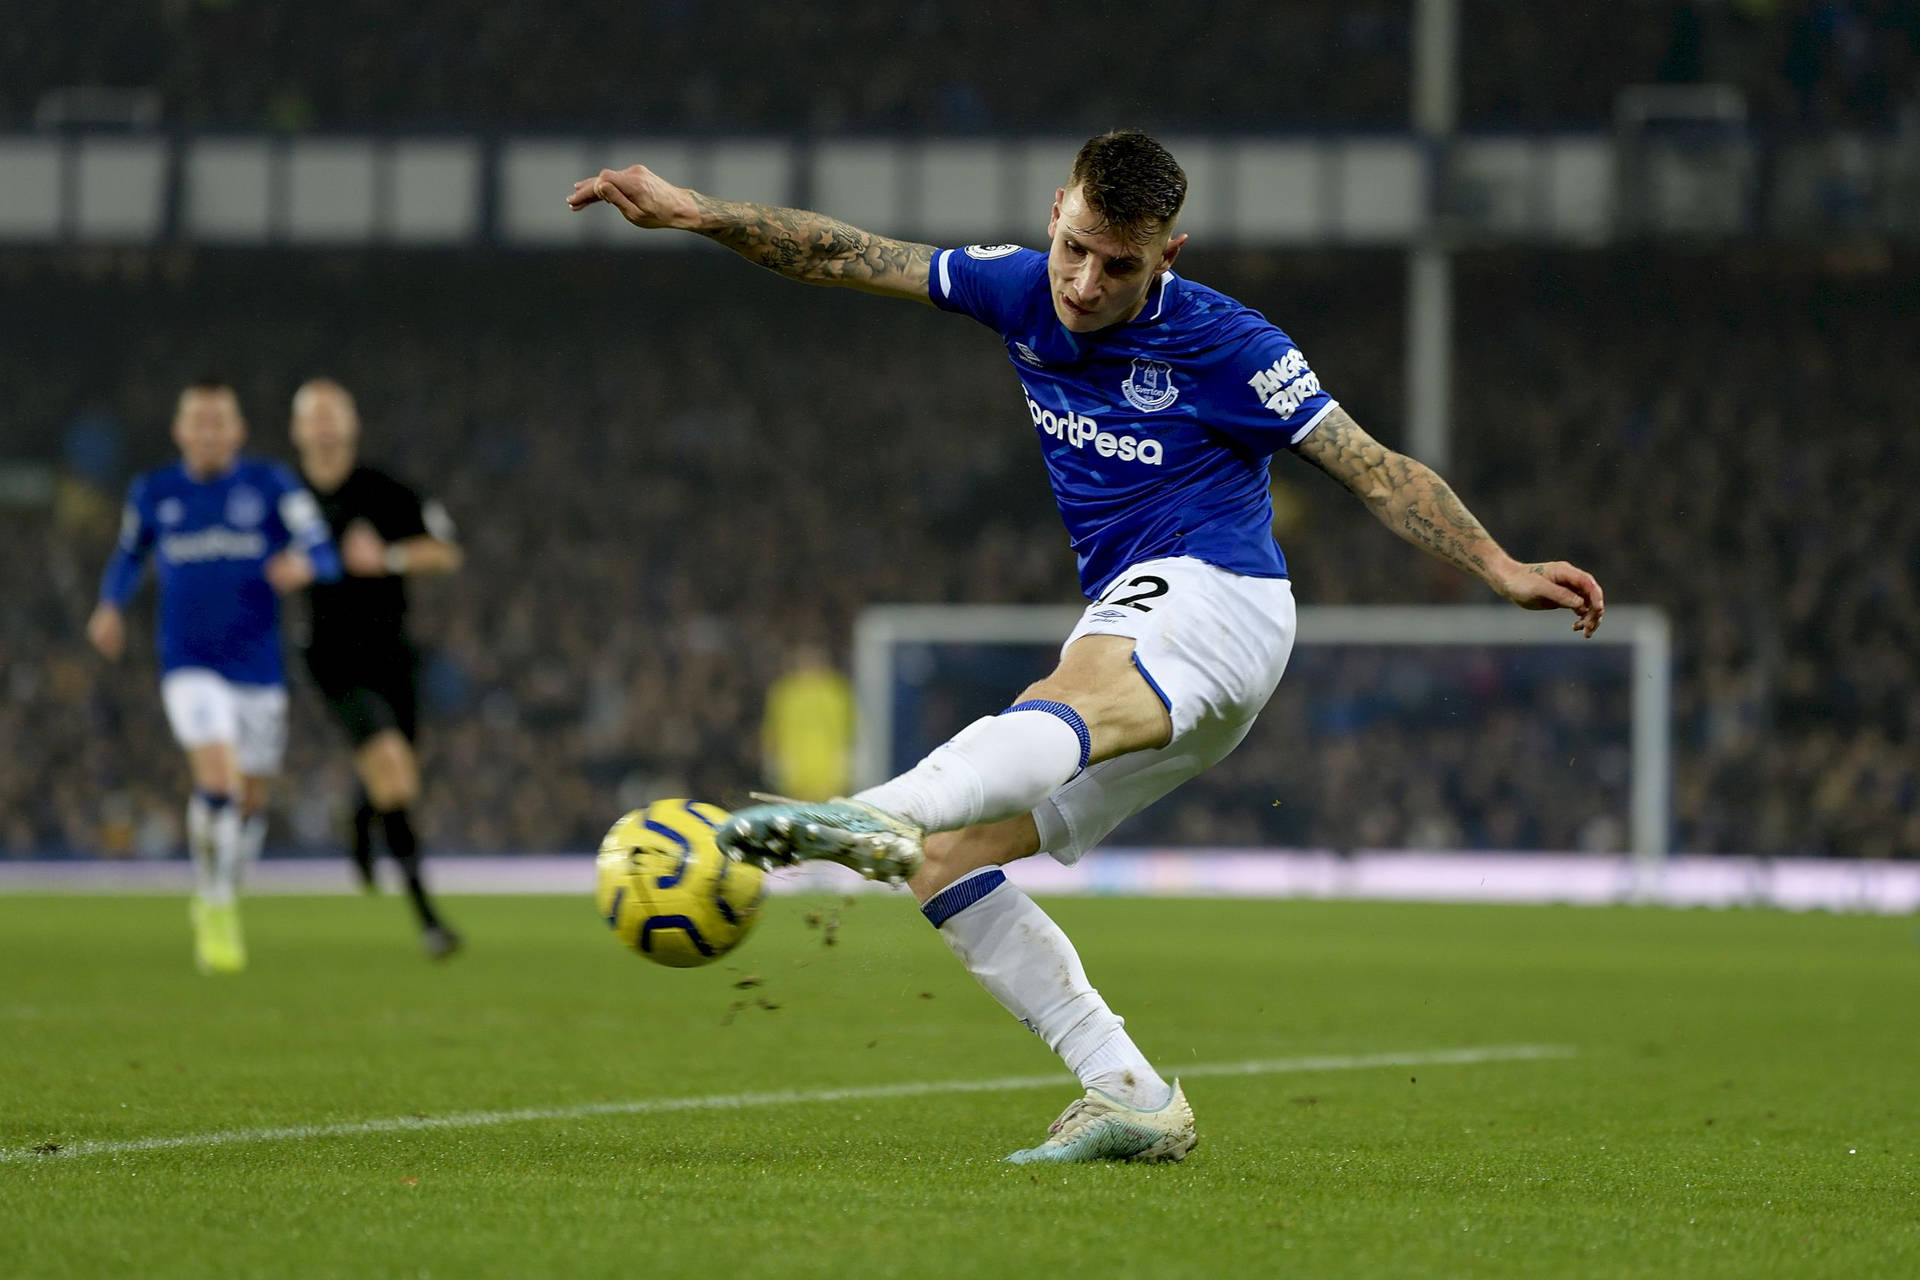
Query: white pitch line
x,y
777,1098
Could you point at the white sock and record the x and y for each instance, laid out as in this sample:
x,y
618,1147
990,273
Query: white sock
x,y
253,837
1016,951
213,838
996,767
200,843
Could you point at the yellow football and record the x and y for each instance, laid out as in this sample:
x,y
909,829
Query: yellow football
x,y
667,891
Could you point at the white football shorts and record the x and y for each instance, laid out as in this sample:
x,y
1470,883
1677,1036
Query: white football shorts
x,y
1213,645
204,707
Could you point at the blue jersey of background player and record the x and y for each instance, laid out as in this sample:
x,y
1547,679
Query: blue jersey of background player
x,y
229,535
1158,403
1156,431
219,541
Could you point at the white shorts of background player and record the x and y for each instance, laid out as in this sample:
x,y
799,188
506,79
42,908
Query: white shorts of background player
x,y
204,707
1213,645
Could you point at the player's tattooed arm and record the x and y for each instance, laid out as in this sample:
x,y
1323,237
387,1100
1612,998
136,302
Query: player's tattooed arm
x,y
815,248
1406,494
810,247
1411,499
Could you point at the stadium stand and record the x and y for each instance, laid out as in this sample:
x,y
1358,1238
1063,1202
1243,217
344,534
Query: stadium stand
x,y
1221,65
648,459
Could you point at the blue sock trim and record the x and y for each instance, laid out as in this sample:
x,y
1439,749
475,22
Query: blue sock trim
x,y
955,898
1066,713
1153,684
211,800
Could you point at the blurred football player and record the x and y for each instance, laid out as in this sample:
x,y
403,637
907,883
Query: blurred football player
x,y
806,733
359,653
1157,404
229,535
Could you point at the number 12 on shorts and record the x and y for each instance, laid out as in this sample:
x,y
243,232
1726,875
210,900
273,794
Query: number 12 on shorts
x,y
1142,588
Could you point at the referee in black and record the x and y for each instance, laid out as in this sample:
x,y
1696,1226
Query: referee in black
x,y
359,653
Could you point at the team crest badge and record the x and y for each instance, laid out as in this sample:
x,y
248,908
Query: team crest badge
x,y
1149,386
987,252
245,507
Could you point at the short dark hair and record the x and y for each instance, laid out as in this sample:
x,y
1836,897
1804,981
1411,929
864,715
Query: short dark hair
x,y
1131,182
208,385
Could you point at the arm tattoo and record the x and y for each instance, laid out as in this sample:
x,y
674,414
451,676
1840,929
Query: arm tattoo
x,y
1407,495
814,248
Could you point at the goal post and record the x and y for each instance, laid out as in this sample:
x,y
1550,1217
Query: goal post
x,y
884,632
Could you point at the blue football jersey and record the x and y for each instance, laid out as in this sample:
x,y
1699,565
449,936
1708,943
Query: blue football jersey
x,y
210,540
1157,433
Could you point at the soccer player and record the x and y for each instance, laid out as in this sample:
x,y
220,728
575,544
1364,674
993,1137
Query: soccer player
x,y
229,536
1157,403
359,653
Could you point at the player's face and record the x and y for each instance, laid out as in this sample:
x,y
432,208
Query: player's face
x,y
323,421
209,430
1099,277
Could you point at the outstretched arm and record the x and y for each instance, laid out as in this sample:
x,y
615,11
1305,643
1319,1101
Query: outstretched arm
x,y
809,247
1411,499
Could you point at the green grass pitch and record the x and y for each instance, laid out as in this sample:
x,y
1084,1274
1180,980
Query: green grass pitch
x,y
1742,1096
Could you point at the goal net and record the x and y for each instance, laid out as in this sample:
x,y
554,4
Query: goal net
x,y
1396,727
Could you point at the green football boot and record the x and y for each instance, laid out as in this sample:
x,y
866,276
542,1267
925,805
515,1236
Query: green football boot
x,y
781,832
1099,1127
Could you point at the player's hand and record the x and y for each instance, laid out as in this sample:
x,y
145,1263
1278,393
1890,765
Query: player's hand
x,y
642,196
107,632
289,571
1556,584
363,551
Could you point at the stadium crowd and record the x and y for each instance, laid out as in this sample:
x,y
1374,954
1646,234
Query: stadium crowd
x,y
812,65
671,472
